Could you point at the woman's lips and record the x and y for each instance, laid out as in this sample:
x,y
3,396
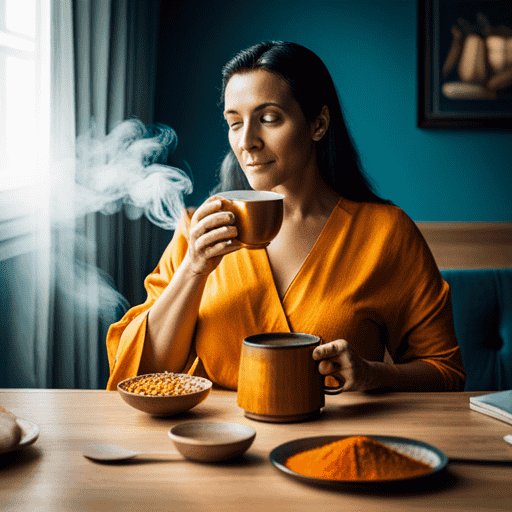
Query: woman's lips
x,y
257,165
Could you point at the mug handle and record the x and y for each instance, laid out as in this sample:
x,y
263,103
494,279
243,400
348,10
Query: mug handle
x,y
328,390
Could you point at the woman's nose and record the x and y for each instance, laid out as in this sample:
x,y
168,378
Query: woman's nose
x,y
250,139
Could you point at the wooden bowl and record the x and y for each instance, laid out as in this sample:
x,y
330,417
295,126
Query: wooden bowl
x,y
258,215
212,441
166,405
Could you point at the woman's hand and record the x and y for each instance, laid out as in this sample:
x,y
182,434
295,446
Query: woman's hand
x,y
212,236
338,359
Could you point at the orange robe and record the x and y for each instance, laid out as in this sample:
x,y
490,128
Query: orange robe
x,y
370,279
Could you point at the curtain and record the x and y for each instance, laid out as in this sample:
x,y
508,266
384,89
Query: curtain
x,y
47,344
63,275
115,54
114,51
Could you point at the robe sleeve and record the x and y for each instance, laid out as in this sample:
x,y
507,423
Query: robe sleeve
x,y
423,328
125,339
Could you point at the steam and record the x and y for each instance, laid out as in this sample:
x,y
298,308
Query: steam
x,y
122,170
125,169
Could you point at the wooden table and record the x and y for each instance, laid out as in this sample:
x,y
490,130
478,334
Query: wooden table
x,y
52,475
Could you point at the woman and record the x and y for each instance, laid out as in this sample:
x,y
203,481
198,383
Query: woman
x,y
346,265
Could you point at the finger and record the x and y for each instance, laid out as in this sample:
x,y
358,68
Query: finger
x,y
221,248
217,219
229,246
211,205
210,238
328,367
331,349
211,223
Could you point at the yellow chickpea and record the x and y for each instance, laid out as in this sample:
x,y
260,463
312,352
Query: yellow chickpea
x,y
162,385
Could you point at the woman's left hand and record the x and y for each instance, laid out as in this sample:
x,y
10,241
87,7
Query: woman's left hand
x,y
337,358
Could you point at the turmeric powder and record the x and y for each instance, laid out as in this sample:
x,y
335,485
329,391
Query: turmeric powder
x,y
356,458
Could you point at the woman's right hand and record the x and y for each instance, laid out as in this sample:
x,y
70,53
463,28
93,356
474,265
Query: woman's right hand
x,y
212,236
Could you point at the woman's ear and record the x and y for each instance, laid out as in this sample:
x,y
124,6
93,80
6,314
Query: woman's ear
x,y
320,124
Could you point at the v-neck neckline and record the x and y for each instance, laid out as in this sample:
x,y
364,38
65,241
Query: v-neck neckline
x,y
305,262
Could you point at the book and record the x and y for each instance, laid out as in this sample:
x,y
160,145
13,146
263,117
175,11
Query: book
x,y
498,405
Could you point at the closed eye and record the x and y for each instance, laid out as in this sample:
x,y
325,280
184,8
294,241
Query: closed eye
x,y
265,119
269,118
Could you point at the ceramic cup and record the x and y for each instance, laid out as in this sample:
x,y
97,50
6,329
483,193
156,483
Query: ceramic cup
x,y
258,215
278,378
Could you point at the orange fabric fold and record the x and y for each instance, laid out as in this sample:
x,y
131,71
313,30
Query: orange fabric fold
x,y
370,279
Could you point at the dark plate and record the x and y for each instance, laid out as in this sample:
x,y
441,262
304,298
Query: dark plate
x,y
415,449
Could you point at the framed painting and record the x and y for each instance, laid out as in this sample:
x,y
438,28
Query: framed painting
x,y
465,64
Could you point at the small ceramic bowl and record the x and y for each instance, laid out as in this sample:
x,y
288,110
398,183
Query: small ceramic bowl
x,y
166,405
212,441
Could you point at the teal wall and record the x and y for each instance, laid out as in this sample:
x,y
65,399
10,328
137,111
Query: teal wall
x,y
370,48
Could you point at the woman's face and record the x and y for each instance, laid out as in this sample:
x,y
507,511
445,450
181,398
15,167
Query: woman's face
x,y
268,132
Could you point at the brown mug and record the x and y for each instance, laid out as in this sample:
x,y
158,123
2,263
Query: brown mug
x,y
278,379
258,215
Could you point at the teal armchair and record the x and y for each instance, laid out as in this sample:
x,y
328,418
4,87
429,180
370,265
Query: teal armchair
x,y
482,311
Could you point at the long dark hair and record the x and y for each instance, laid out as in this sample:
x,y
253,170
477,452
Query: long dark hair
x,y
312,87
